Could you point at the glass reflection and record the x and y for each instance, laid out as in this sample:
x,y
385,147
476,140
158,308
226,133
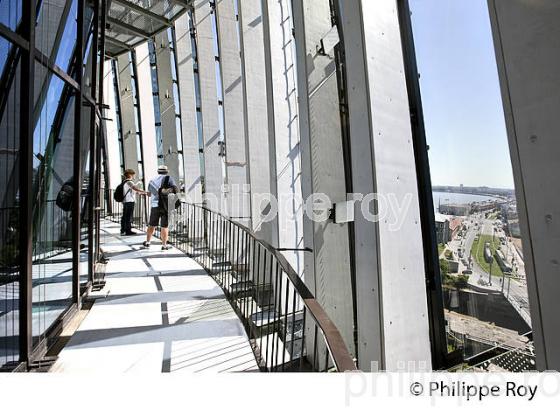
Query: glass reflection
x,y
68,40
10,13
9,203
52,214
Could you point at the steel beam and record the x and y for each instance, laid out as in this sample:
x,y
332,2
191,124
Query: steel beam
x,y
127,27
77,154
145,12
13,37
93,144
27,30
117,43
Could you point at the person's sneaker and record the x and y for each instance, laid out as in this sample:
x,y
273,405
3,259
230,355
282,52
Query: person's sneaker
x,y
146,244
131,233
165,247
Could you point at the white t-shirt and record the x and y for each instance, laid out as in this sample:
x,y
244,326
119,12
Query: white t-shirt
x,y
154,186
129,193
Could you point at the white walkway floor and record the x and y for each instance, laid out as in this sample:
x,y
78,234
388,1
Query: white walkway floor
x,y
159,312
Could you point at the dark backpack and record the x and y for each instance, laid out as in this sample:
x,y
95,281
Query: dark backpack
x,y
64,199
163,196
118,195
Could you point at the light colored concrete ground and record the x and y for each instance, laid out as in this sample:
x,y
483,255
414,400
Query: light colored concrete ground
x,y
485,332
159,312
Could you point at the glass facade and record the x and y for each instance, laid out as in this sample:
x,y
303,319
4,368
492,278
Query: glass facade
x,y
45,204
52,225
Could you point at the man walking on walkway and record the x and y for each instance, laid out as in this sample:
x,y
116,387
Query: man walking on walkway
x,y
162,184
129,192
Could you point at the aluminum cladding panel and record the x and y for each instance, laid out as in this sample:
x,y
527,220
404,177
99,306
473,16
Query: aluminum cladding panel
x,y
191,155
213,163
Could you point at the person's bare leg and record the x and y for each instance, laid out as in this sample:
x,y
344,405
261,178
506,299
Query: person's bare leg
x,y
164,234
150,232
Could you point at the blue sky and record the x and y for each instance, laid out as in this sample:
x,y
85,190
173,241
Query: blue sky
x,y
463,112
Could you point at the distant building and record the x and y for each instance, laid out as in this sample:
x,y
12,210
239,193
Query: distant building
x,y
455,209
484,206
453,266
455,226
443,232
512,214
513,228
511,219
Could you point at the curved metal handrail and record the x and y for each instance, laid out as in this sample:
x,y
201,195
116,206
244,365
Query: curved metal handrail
x,y
339,353
341,357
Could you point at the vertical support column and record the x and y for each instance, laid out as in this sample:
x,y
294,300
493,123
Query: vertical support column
x,y
100,97
146,102
260,137
101,135
213,162
110,118
327,269
130,139
77,153
185,68
283,95
237,170
368,298
93,142
27,27
167,104
441,358
528,54
390,279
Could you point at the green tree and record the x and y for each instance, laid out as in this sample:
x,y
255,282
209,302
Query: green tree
x,y
444,266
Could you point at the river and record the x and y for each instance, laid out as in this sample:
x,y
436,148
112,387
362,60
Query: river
x,y
457,198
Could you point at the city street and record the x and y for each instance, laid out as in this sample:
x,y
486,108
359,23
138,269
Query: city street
x,y
514,288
